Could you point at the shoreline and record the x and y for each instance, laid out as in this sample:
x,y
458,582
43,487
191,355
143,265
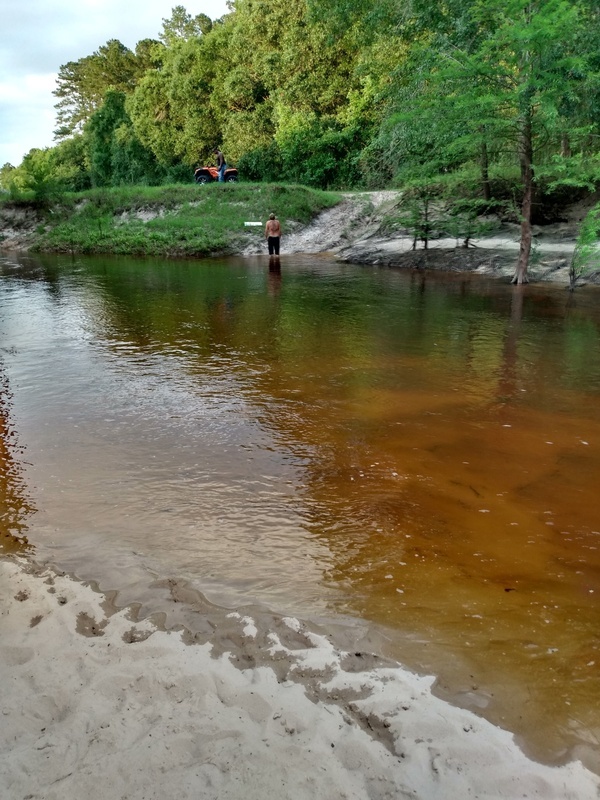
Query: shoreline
x,y
95,700
355,230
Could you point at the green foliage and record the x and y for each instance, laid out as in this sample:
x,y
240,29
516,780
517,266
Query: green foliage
x,y
100,131
333,93
116,155
580,170
44,175
172,110
82,84
261,164
71,159
465,218
131,162
416,212
442,207
7,172
317,151
182,25
586,255
173,220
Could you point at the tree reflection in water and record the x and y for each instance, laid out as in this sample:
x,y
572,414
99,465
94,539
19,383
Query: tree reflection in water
x,y
15,506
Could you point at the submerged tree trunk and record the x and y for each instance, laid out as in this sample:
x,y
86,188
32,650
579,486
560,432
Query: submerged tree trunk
x,y
526,161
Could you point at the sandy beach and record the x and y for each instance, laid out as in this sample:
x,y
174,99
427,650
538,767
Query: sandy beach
x,y
98,703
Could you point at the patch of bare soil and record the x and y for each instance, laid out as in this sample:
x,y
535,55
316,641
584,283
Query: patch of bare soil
x,y
143,214
18,227
357,215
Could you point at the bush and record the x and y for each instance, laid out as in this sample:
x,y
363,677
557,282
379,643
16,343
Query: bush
x,y
261,164
586,256
321,154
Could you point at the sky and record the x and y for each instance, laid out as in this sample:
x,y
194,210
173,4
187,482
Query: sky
x,y
38,36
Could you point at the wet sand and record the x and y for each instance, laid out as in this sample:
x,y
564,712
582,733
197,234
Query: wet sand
x,y
97,702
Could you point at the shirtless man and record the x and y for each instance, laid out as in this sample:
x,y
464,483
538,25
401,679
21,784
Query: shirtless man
x,y
273,234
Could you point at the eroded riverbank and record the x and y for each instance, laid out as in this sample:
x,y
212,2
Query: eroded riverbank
x,y
355,229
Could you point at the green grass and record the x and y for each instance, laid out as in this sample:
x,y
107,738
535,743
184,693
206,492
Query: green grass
x,y
173,220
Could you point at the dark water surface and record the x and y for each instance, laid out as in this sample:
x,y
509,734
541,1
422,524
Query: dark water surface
x,y
418,452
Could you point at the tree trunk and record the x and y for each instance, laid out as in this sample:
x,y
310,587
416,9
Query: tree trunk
x,y
426,223
485,172
526,161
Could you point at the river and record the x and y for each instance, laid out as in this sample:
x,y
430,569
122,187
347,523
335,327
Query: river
x,y
415,453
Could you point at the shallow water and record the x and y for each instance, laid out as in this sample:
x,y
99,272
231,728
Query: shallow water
x,y
418,452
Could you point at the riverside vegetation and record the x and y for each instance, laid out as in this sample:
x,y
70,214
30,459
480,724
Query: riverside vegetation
x,y
387,228
172,220
481,106
487,105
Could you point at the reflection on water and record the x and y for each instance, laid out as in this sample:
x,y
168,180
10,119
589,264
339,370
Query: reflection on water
x,y
422,452
15,506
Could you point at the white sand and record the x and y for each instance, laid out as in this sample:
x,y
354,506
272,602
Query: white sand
x,y
135,713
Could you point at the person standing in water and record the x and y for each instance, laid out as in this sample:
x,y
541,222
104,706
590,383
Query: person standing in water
x,y
273,234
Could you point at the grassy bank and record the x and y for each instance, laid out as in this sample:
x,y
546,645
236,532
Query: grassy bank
x,y
174,221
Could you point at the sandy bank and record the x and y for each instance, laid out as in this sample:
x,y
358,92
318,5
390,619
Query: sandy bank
x,y
353,232
96,703
357,231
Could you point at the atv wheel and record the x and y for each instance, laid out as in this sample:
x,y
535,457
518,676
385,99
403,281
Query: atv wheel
x,y
231,179
203,177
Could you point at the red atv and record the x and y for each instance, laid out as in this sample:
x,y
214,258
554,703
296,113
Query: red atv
x,y
210,174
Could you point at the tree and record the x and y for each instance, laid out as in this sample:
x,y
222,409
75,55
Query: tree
x,y
82,84
71,160
172,109
6,174
285,81
100,133
182,26
528,61
235,82
587,252
38,176
492,80
116,155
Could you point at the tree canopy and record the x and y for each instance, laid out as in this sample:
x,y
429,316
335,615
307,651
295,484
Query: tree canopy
x,y
495,101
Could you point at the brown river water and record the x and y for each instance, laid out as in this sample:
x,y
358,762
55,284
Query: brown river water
x,y
416,453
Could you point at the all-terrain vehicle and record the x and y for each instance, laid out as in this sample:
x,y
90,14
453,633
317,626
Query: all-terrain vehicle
x,y
210,174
